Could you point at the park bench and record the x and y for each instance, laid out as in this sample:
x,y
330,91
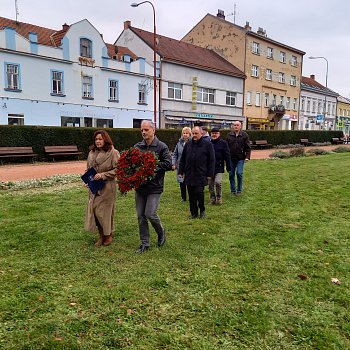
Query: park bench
x,y
61,151
305,142
337,140
17,152
262,144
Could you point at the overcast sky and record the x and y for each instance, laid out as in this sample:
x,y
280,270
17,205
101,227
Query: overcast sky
x,y
318,27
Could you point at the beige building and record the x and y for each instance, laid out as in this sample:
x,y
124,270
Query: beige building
x,y
343,115
273,70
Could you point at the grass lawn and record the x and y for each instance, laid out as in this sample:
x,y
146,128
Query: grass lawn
x,y
256,274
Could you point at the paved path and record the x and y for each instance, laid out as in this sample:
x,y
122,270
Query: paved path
x,y
17,172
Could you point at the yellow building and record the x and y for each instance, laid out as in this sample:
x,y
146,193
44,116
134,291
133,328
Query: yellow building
x,y
273,70
343,115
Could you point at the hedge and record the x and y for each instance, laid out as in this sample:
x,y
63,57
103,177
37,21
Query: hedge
x,y
40,136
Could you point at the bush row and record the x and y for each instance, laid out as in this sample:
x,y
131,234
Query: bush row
x,y
40,136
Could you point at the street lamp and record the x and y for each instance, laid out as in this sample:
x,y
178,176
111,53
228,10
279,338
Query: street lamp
x,y
325,96
154,59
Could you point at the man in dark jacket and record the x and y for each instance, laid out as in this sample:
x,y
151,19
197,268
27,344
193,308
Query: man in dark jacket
x,y
197,166
222,156
239,145
147,196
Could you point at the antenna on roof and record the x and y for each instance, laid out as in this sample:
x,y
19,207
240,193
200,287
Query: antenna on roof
x,y
234,13
16,8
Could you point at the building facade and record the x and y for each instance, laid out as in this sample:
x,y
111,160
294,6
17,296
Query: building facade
x,y
343,115
70,77
273,69
318,106
196,85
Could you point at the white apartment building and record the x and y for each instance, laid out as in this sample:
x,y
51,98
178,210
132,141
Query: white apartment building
x,y
70,77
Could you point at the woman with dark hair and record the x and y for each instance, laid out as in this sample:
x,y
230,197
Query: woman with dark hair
x,y
100,209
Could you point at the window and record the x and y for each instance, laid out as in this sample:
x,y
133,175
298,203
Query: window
x,y
70,121
294,61
56,82
308,104
257,99
293,80
142,94
175,91
302,107
85,47
87,87
15,119
231,98
255,71
266,99
268,74
12,76
288,103
281,77
282,100
274,97
269,53
282,57
205,95
319,106
295,101
313,106
104,123
249,97
256,48
113,90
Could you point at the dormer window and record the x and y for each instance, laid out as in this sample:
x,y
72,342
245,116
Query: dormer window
x,y
85,48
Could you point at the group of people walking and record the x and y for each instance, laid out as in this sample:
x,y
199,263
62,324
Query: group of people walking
x,y
199,160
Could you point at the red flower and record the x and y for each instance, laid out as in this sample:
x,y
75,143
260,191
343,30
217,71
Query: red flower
x,y
135,168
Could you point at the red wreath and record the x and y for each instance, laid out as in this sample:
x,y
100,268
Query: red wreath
x,y
135,168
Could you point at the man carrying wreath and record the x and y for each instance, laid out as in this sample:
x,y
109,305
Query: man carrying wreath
x,y
147,195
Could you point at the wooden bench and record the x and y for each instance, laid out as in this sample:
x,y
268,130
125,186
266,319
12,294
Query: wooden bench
x,y
262,144
305,142
61,151
17,152
337,140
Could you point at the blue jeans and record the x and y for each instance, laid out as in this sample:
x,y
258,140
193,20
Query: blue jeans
x,y
146,209
236,169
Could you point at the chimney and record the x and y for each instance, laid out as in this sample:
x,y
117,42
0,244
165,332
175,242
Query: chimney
x,y
65,26
261,31
127,24
312,76
247,26
221,14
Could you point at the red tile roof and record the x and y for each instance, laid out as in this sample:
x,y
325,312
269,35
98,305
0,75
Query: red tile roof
x,y
183,53
311,82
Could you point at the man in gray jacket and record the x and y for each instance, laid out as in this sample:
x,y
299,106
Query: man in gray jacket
x,y
147,196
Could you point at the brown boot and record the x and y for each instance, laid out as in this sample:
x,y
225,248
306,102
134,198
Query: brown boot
x,y
218,201
108,239
100,240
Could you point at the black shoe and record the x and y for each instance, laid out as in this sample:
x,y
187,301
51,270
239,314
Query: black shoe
x,y
141,249
191,217
202,215
161,239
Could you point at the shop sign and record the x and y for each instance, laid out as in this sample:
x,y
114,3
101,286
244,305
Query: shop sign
x,y
204,115
257,120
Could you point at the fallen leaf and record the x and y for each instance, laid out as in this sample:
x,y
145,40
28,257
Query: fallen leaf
x,y
110,253
72,304
33,310
129,311
325,242
140,301
119,320
302,277
40,298
58,338
335,280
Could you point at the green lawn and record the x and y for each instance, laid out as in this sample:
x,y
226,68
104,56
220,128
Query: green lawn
x,y
256,274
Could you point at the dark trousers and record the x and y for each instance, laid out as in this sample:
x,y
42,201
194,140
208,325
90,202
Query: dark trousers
x,y
196,196
183,189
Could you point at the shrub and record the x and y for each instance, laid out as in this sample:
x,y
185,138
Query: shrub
x,y
317,151
341,149
279,154
297,152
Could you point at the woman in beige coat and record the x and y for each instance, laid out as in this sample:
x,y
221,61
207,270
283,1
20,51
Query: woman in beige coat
x,y
100,209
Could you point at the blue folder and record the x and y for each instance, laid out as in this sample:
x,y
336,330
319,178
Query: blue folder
x,y
94,185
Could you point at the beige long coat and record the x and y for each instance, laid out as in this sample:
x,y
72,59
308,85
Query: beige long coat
x,y
100,207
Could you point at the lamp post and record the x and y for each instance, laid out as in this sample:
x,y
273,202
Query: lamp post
x,y
325,96
154,59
